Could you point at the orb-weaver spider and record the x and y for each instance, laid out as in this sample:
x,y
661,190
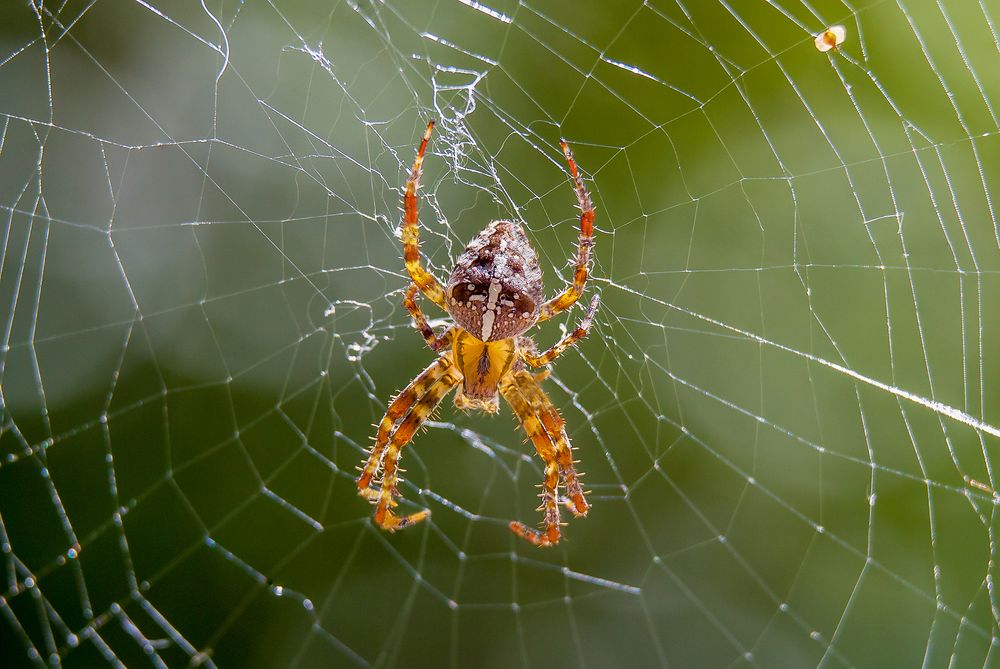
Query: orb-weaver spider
x,y
494,295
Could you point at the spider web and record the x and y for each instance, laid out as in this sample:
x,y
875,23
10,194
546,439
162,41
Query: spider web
x,y
786,409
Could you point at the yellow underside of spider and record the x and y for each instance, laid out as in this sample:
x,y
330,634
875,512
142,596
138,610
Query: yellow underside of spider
x,y
482,365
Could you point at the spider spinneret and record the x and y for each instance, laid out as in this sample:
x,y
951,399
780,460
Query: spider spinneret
x,y
495,295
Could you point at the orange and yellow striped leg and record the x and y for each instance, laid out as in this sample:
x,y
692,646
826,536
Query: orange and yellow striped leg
x,y
425,406
396,411
435,342
569,297
411,230
547,450
579,333
555,426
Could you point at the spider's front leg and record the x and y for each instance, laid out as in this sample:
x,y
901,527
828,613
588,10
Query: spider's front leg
x,y
405,414
434,341
544,427
555,426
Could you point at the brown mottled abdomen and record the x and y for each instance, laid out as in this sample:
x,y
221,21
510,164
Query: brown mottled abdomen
x,y
495,290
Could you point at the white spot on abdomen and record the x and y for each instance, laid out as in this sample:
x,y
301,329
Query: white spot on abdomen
x,y
494,295
488,317
490,314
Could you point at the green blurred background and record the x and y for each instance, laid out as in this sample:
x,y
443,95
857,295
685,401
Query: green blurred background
x,y
786,410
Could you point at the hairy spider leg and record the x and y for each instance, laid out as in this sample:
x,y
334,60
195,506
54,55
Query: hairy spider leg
x,y
411,230
576,335
421,411
569,297
555,426
397,411
546,448
434,341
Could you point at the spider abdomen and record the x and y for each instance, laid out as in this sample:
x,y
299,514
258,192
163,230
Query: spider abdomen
x,y
495,290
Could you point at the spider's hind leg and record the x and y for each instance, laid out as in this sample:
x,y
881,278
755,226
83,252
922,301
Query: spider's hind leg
x,y
434,341
426,281
568,297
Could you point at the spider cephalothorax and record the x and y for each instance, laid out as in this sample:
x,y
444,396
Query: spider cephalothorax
x,y
494,294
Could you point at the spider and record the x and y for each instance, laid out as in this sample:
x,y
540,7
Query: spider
x,y
494,295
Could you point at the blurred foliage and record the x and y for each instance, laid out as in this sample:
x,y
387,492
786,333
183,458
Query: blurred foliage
x,y
201,277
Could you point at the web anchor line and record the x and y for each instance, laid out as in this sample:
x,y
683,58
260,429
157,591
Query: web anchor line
x,y
934,405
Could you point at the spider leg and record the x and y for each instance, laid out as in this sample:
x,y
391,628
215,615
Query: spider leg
x,y
411,230
569,297
398,409
579,333
547,431
423,408
546,449
434,341
555,426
